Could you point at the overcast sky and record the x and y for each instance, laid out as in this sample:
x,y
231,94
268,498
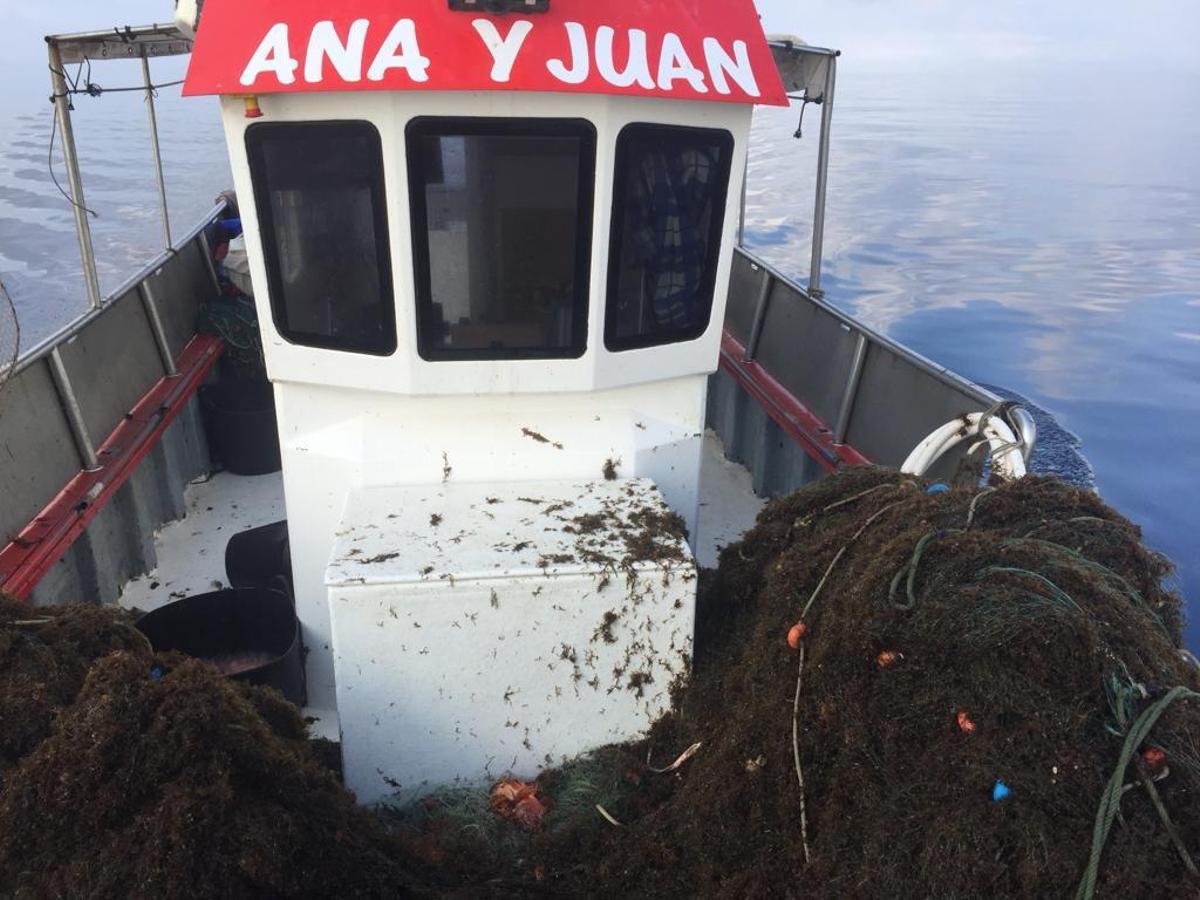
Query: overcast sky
x,y
1163,31
1147,33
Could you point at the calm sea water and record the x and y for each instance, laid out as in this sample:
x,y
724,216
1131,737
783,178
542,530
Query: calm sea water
x,y
1036,231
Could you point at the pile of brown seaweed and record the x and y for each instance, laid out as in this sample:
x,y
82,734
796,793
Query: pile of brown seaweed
x,y
986,697
956,705
136,775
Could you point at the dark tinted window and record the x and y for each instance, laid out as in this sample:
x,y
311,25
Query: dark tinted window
x,y
502,225
318,188
668,215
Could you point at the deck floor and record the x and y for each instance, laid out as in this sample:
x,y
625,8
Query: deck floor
x,y
728,504
191,551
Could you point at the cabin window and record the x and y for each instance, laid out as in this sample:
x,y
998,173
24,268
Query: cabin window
x,y
668,214
502,230
318,189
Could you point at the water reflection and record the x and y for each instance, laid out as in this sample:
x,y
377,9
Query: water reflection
x,y
1027,231
39,256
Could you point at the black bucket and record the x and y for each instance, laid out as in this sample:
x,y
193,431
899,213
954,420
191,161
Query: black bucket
x,y
239,418
251,635
259,557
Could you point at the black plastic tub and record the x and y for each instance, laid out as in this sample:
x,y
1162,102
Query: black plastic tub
x,y
260,557
249,634
239,418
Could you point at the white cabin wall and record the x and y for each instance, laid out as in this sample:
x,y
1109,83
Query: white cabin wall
x,y
334,441
347,420
405,371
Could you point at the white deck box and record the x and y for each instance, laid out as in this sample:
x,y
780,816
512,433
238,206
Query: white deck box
x,y
485,629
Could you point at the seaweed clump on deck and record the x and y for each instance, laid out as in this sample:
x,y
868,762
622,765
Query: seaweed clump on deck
x,y
966,695
644,532
45,654
973,662
159,778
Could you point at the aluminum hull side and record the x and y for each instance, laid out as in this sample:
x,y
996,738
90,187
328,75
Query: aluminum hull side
x,y
82,436
840,386
865,397
119,544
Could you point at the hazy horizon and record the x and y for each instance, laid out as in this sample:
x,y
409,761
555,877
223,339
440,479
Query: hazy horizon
x,y
966,34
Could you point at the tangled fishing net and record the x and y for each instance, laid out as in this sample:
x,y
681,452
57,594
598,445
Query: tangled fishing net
x,y
985,699
45,655
985,696
971,667
154,777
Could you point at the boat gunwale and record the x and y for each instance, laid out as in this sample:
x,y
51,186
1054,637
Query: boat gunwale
x,y
73,328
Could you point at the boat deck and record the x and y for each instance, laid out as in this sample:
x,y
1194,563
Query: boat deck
x,y
191,551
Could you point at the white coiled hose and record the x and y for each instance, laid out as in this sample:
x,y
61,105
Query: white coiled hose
x,y
1008,461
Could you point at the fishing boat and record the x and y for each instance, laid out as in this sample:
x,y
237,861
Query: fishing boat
x,y
493,255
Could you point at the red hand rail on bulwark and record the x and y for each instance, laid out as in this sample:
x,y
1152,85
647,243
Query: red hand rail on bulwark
x,y
45,540
796,419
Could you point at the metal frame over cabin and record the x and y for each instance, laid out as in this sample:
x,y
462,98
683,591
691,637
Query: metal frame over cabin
x,y
143,43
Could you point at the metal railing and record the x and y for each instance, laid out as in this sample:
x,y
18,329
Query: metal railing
x,y
49,349
847,349
68,392
141,43
46,345
825,360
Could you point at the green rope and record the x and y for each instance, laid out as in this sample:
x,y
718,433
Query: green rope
x,y
1123,694
1075,558
1110,800
1056,593
1096,520
908,573
1079,559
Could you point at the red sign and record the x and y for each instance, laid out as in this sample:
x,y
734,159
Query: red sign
x,y
680,49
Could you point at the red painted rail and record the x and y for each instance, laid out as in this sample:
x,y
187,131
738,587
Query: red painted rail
x,y
46,539
42,543
796,419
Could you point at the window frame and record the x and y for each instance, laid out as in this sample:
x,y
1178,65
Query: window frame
x,y
487,126
621,155
266,226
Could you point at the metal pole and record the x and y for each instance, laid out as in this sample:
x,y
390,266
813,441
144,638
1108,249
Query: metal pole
x,y
818,235
158,166
741,234
760,315
62,108
846,410
70,405
206,250
156,326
